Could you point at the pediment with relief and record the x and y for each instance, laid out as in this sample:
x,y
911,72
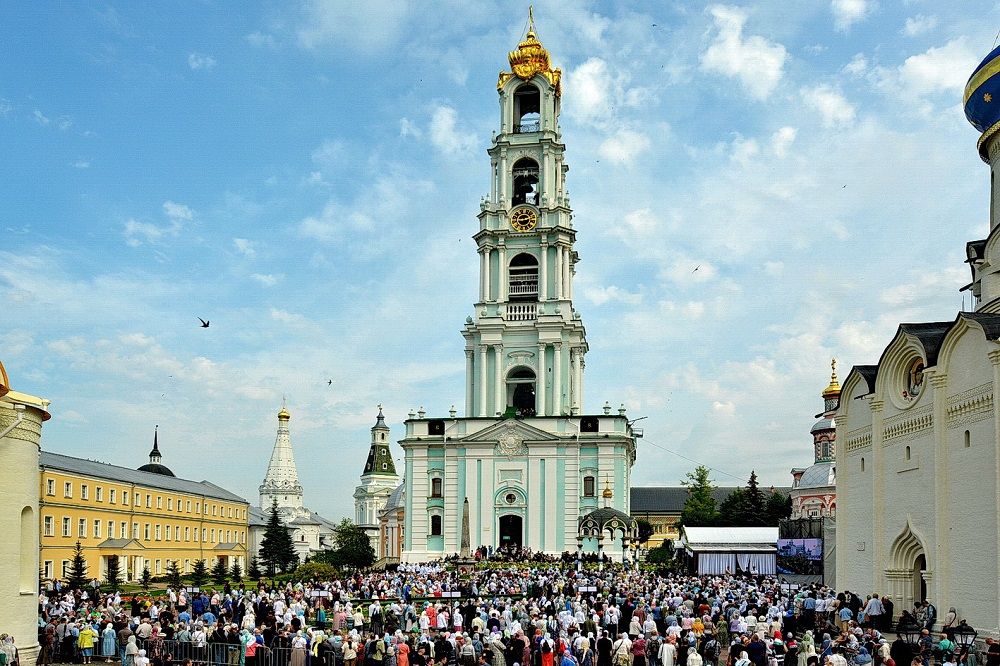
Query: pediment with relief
x,y
509,429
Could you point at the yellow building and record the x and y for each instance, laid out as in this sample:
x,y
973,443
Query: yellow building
x,y
144,517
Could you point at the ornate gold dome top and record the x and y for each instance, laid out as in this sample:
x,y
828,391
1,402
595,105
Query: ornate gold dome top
x,y
283,415
607,492
529,59
833,390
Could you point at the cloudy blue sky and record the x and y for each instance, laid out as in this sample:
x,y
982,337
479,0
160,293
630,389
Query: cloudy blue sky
x,y
306,175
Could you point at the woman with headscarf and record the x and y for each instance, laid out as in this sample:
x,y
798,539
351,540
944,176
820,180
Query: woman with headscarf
x,y
807,648
131,652
668,652
585,656
299,644
108,647
141,659
402,654
547,649
744,660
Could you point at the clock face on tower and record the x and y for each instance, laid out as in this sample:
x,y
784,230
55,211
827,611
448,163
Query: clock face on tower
x,y
523,218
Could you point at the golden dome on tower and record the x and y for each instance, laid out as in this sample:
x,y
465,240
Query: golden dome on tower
x,y
833,390
530,58
283,415
607,492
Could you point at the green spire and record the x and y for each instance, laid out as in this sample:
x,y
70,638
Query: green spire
x,y
380,461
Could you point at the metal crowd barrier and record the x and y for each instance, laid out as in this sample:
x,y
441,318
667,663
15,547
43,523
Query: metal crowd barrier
x,y
229,654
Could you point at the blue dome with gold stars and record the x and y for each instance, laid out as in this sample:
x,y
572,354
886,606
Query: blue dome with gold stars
x,y
982,93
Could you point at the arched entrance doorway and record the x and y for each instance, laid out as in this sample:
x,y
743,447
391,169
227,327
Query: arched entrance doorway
x,y
919,584
908,570
511,531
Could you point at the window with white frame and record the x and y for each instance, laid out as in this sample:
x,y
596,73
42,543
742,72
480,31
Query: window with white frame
x,y
84,491
50,487
47,526
65,526
68,489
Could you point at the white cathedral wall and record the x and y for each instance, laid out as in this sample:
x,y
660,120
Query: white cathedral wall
x,y
946,493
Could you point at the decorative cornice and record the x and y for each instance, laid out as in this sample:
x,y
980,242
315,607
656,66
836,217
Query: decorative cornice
x,y
859,439
907,425
971,406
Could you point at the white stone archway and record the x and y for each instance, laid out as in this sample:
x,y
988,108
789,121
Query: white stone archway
x,y
908,574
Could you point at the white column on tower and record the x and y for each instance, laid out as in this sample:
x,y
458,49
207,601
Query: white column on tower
x,y
493,181
544,188
574,359
502,274
559,272
498,403
543,273
567,283
484,274
468,382
557,379
583,364
483,378
540,381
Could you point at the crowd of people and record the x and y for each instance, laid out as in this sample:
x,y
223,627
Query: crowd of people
x,y
540,614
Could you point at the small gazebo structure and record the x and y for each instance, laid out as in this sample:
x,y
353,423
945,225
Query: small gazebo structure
x,y
608,523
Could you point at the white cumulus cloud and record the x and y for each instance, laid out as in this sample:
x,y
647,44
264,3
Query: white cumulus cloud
x,y
832,106
848,12
939,69
245,247
445,134
782,140
624,146
756,61
919,24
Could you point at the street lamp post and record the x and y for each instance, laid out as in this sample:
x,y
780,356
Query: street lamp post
x,y
965,638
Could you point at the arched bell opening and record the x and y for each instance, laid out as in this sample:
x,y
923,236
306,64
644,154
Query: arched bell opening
x,y
521,391
525,179
527,109
522,276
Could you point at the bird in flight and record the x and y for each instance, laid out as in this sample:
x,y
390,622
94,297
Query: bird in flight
x,y
204,324
696,268
329,382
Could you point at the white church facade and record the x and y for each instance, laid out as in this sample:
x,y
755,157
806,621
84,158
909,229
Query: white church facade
x,y
378,481
310,532
528,457
918,437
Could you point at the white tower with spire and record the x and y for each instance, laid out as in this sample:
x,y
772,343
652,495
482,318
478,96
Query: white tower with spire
x,y
281,483
526,455
378,481
310,531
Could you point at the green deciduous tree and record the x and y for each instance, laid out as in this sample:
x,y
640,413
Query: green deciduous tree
x,y
76,577
318,571
199,573
645,529
354,546
699,508
276,548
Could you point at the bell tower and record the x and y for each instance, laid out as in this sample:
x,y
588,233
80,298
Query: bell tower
x,y
525,343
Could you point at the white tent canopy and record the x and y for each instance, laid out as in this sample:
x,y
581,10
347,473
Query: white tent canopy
x,y
720,550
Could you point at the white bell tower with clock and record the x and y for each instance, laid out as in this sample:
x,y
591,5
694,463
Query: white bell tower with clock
x,y
524,461
525,345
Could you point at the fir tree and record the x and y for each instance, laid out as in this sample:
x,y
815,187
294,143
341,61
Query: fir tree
x,y
756,503
77,575
113,576
173,574
236,573
219,572
146,578
276,548
699,507
199,573
254,572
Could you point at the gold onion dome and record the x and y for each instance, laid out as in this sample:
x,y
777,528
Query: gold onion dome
x,y
833,390
530,58
283,415
607,493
